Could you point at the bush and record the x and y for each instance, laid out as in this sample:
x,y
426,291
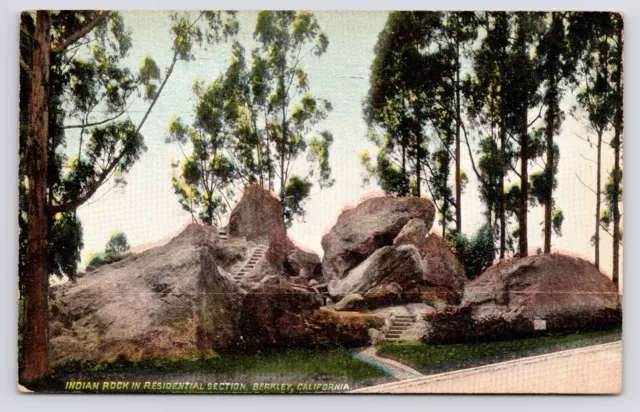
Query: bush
x,y
117,243
103,258
475,253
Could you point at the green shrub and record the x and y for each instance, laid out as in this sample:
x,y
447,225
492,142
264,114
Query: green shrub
x,y
474,253
103,258
117,243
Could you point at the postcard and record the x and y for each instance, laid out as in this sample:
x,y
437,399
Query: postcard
x,y
320,202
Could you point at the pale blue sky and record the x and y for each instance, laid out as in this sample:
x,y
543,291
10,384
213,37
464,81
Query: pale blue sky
x,y
147,209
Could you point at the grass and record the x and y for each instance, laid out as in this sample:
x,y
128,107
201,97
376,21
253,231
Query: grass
x,y
442,357
292,362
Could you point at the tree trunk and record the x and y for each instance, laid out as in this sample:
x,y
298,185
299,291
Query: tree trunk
x,y
523,243
457,150
418,165
596,236
501,196
35,348
549,170
617,175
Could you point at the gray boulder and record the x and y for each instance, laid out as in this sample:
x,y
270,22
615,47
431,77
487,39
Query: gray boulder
x,y
371,225
402,265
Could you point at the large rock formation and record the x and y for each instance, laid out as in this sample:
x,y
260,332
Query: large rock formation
x,y
390,259
360,231
442,267
201,292
567,293
276,312
173,300
258,217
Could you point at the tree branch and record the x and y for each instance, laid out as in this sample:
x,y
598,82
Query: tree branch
x,y
585,185
57,48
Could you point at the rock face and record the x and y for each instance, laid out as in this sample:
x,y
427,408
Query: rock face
x,y
402,265
568,293
168,301
413,233
379,254
202,292
442,267
276,312
374,223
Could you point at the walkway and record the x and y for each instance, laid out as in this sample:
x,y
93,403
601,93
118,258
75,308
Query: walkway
x,y
594,369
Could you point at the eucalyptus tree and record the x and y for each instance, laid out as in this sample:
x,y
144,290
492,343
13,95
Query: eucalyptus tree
x,y
292,112
71,65
487,105
557,64
459,32
522,93
394,106
597,92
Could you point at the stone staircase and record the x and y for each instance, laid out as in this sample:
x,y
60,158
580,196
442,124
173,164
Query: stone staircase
x,y
399,325
256,256
223,234
323,292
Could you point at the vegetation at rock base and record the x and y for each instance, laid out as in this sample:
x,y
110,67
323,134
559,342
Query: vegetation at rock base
x,y
289,361
475,253
431,358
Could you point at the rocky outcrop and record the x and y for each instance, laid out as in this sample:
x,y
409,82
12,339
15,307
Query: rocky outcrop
x,y
402,265
257,216
442,266
275,312
413,233
174,300
557,291
371,225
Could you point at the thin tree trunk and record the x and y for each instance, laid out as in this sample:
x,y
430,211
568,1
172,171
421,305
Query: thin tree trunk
x,y
418,165
523,243
501,196
596,236
457,154
35,347
617,175
549,172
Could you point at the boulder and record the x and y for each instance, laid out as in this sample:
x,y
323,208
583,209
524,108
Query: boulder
x,y
413,233
442,267
169,301
258,216
567,293
350,302
371,225
388,294
402,265
277,312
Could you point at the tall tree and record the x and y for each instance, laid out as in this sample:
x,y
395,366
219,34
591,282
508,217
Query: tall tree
x,y
460,30
286,39
35,364
557,67
521,85
488,105
614,186
596,94
74,88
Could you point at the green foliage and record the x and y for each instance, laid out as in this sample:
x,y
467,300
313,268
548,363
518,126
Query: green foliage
x,y
65,243
296,190
117,243
475,253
